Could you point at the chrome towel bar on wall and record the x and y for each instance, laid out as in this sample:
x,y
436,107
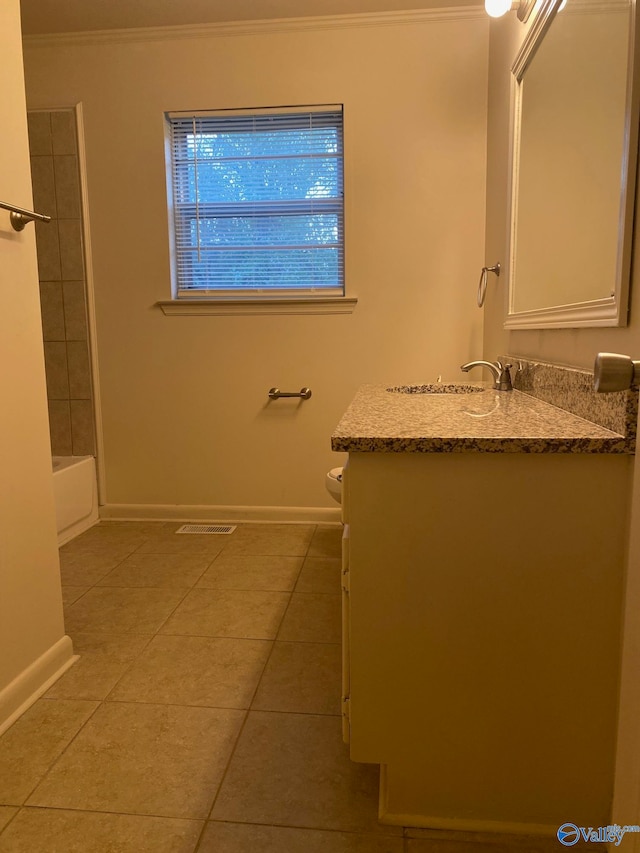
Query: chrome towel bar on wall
x,y
19,217
276,393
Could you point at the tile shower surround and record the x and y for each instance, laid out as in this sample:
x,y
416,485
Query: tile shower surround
x,y
56,192
204,713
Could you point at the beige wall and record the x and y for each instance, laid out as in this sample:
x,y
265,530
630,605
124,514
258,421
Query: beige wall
x,y
32,643
576,347
184,399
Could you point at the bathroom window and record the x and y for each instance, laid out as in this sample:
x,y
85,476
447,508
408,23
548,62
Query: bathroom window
x,y
256,203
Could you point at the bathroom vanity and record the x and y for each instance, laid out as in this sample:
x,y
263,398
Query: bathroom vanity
x,y
483,579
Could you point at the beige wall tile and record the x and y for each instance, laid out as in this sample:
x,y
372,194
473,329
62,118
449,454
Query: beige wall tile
x,y
71,256
63,132
163,760
75,312
60,427
44,188
48,249
34,741
40,139
52,311
67,186
79,370
55,359
90,832
82,427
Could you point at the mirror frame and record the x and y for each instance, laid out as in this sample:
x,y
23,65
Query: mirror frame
x,y
612,310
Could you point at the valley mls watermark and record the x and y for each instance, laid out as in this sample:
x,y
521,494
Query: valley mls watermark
x,y
569,834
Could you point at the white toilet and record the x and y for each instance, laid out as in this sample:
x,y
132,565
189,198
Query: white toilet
x,y
334,484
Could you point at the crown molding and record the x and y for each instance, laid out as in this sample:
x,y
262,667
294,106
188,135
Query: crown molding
x,y
258,27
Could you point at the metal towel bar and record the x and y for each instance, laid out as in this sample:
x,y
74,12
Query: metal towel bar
x,y
19,217
276,393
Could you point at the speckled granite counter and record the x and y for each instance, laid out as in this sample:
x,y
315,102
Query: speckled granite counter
x,y
489,422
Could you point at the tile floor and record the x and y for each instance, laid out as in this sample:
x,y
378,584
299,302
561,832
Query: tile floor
x,y
203,714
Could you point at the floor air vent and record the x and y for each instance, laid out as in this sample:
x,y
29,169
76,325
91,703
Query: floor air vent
x,y
206,528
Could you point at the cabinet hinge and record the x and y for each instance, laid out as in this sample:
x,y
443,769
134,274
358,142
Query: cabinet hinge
x,y
346,707
346,585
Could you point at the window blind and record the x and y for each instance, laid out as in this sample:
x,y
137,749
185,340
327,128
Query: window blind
x,y
257,202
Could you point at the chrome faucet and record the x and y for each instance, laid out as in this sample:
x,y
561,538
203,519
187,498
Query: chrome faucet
x,y
501,375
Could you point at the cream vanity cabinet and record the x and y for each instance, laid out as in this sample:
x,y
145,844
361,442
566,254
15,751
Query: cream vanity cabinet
x,y
482,602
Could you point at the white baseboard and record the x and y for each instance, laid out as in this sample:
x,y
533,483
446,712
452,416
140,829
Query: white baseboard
x,y
35,680
192,512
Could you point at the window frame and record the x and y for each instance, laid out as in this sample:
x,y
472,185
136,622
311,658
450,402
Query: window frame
x,y
293,299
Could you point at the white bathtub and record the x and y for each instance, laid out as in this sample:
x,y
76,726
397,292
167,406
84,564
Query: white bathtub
x,y
76,495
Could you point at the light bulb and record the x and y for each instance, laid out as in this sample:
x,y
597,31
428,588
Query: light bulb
x,y
496,8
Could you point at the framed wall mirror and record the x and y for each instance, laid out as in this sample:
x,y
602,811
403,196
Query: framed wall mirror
x,y
573,166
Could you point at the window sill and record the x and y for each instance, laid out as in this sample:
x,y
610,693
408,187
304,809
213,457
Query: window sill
x,y
327,305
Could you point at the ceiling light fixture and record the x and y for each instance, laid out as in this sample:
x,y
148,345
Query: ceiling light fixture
x,y
497,8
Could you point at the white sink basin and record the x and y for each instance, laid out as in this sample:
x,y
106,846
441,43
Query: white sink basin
x,y
436,388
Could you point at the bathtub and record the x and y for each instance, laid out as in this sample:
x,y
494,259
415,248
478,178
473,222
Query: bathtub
x,y
76,495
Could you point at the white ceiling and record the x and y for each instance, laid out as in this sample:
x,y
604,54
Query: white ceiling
x,y
59,16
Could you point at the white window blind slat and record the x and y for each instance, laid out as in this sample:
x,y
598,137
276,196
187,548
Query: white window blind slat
x,y
257,202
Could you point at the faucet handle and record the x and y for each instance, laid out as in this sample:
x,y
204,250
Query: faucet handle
x,y
504,382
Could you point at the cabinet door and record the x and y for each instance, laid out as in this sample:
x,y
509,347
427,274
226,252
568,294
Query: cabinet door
x,y
345,637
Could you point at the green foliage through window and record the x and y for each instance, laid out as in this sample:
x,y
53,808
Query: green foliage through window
x,y
258,202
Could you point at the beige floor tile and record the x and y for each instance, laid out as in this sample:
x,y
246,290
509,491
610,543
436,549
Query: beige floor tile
x,y
312,618
249,838
303,678
158,570
263,540
320,574
294,770
35,741
119,610
72,593
103,659
205,671
178,543
115,534
106,548
327,541
267,573
57,831
245,614
160,760
6,813
86,568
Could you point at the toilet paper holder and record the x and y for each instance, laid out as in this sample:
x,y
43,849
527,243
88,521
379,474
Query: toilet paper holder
x,y
276,393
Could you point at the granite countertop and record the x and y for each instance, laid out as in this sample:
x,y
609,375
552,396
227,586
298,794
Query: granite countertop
x,y
487,421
